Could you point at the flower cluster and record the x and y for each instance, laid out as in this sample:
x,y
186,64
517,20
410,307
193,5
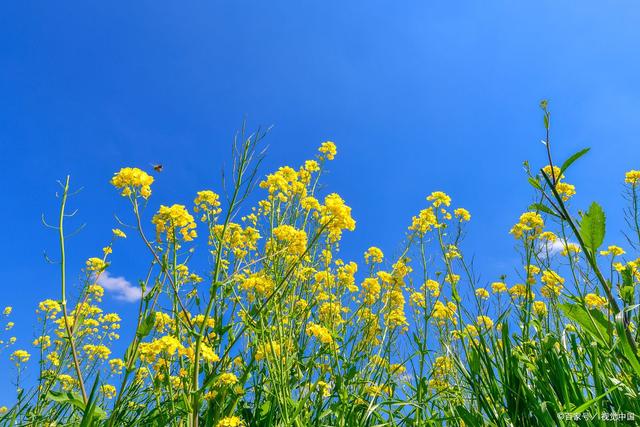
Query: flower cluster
x,y
133,182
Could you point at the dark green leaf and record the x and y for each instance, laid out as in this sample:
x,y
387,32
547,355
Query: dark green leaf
x,y
572,159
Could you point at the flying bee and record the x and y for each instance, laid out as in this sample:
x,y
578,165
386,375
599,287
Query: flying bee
x,y
157,167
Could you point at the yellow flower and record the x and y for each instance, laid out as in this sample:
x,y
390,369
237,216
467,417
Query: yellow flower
x,y
566,191
595,301
116,365
267,350
321,333
556,172
373,255
7,310
553,283
529,222
520,290
613,250
119,233
328,149
308,203
482,293
433,286
484,321
96,291
67,382
230,422
227,379
443,312
570,248
498,287
417,299
632,177
462,214
133,181
99,351
108,390
335,215
425,221
167,345
50,307
539,308
439,198
548,236
43,341
289,238
330,313
452,278
323,388
20,356
258,284
96,264
176,222
370,290
208,202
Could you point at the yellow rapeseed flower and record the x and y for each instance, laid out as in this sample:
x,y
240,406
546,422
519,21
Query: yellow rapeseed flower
x,y
133,181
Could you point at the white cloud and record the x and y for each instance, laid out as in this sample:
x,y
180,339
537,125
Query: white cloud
x,y
555,247
121,288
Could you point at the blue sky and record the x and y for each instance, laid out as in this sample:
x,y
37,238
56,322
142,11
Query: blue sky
x,y
418,96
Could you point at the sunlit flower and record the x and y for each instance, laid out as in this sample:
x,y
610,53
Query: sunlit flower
x,y
595,301
133,181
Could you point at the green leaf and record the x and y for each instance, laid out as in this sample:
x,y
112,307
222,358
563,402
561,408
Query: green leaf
x,y
627,349
542,208
66,397
146,325
92,409
534,182
627,276
588,404
572,159
592,227
627,293
592,321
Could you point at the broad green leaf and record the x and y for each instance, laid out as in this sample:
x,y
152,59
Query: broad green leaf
x,y
572,159
592,321
592,227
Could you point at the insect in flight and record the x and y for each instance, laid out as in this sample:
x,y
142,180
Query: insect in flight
x,y
157,167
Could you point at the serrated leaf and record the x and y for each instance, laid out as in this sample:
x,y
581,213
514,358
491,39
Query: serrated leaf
x,y
592,227
572,159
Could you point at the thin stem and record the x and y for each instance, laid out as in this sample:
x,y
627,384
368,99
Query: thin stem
x,y
63,280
